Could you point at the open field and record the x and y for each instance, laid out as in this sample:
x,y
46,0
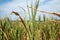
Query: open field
x,y
23,29
40,30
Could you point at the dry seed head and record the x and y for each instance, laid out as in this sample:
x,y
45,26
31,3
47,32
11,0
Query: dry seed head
x,y
56,14
51,13
16,13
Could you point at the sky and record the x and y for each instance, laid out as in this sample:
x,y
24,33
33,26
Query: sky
x,y
7,6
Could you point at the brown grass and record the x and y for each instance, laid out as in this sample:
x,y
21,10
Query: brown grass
x,y
16,13
51,13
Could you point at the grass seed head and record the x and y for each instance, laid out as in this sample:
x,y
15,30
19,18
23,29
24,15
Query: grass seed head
x,y
16,13
56,14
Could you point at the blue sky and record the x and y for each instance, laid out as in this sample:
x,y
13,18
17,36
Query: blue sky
x,y
7,6
4,1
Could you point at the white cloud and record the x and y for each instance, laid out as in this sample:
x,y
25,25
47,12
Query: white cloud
x,y
7,8
42,1
53,5
53,2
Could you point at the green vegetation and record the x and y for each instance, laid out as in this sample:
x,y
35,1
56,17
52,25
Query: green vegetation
x,y
41,30
29,30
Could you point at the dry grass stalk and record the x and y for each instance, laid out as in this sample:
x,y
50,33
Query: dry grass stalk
x,y
55,14
22,21
16,13
51,13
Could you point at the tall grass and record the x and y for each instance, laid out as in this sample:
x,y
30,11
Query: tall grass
x,y
29,29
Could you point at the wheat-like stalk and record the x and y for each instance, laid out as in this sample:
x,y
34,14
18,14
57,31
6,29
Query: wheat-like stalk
x,y
56,14
51,13
16,13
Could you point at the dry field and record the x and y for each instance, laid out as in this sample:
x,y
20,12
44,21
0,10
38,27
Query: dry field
x,y
48,29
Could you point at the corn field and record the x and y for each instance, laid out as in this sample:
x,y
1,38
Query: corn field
x,y
23,29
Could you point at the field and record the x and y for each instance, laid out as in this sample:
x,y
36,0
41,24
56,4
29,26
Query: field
x,y
23,29
40,30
